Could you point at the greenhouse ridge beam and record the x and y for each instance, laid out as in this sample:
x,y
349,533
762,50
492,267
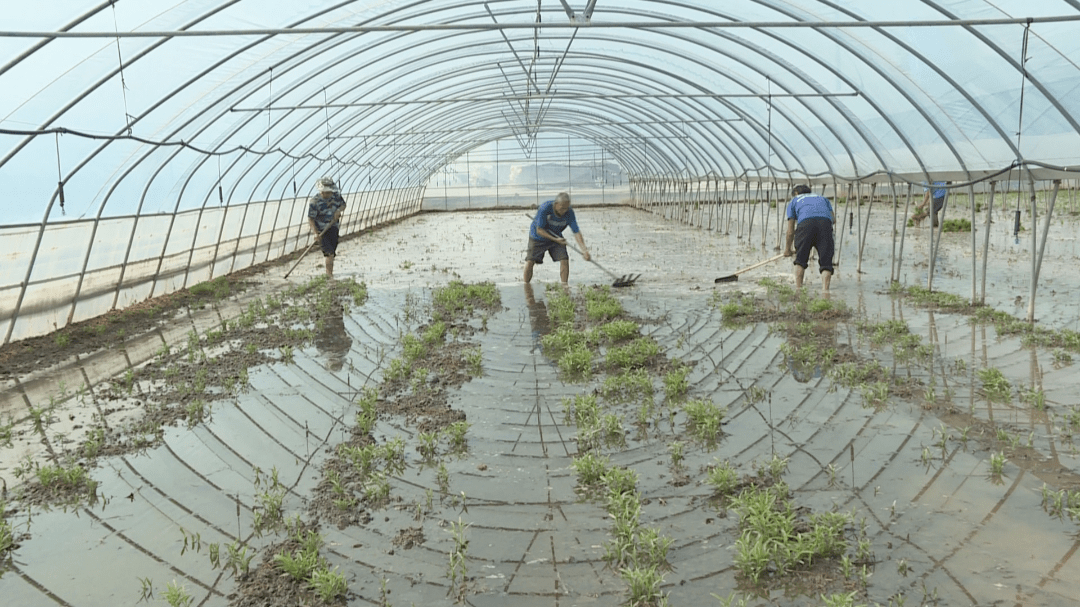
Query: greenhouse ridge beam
x,y
541,97
484,129
360,29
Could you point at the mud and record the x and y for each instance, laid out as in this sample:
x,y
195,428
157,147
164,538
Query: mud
x,y
914,469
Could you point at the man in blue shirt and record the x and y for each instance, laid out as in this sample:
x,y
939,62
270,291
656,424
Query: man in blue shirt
x,y
324,213
922,209
810,225
545,236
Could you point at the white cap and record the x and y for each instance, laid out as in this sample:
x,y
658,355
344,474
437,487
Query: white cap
x,y
326,184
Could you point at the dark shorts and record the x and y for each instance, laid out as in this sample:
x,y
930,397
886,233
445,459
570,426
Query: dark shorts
x,y
939,203
329,242
537,248
815,232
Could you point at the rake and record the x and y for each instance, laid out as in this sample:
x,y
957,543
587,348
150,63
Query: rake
x,y
626,280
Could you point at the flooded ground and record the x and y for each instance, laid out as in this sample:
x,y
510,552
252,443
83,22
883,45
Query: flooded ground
x,y
950,487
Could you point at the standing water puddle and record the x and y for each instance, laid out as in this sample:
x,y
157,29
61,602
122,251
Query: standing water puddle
x,y
915,471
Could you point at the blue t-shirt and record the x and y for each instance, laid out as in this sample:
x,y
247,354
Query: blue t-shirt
x,y
939,193
322,209
548,220
805,206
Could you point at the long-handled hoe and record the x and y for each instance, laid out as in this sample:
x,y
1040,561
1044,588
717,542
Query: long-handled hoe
x,y
304,254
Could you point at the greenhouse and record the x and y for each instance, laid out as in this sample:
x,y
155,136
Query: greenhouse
x,y
279,329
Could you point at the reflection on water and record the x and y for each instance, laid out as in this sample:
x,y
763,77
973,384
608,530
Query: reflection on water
x,y
538,318
332,340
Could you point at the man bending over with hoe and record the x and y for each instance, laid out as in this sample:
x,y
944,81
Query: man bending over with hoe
x,y
813,215
545,235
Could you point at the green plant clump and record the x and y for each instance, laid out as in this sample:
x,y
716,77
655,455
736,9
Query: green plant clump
x,y
769,542
994,384
629,385
636,354
956,225
704,419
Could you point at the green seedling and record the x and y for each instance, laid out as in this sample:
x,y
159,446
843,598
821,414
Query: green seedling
x,y
839,600
328,585
286,354
636,354
366,417
729,600
997,463
756,394
832,471
775,467
455,432
1034,397
612,430
875,395
419,379
644,414
995,386
6,433
704,419
458,570
628,386
196,410
676,384
563,339
393,456
581,410
442,476
591,469
723,478
176,595
736,309
620,481
147,591
602,309
620,330
475,360
238,560
643,586
297,565
429,444
576,362
676,450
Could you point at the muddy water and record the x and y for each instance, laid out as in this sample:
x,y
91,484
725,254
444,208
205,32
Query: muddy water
x,y
940,525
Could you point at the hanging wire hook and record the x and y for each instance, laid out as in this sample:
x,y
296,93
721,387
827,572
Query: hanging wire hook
x,y
1020,127
59,176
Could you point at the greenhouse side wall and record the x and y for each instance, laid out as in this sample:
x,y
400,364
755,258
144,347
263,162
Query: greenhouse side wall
x,y
82,269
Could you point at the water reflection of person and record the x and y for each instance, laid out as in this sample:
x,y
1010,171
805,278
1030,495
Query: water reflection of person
x,y
332,339
538,317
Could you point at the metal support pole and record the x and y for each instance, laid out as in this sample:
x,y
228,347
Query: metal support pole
x,y
1042,248
974,246
986,240
903,233
895,212
866,228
